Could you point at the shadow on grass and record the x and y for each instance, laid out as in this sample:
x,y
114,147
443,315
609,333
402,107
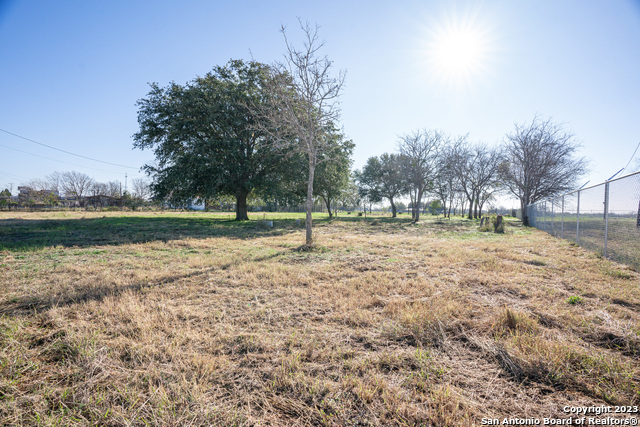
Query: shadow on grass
x,y
26,235
29,305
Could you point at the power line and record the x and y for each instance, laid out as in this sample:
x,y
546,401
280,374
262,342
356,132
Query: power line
x,y
632,156
67,152
13,175
55,160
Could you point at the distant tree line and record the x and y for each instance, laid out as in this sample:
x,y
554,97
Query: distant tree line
x,y
248,130
534,162
76,189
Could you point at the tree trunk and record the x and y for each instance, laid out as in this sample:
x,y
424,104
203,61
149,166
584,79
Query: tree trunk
x,y
418,200
241,205
393,208
470,216
412,197
327,201
309,220
525,217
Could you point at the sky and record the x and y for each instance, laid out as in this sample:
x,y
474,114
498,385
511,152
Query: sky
x,y
72,71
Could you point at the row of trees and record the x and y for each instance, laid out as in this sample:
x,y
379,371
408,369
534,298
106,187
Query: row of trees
x,y
536,161
271,131
74,184
453,171
76,189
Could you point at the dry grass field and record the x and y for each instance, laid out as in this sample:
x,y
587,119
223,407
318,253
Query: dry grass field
x,y
192,319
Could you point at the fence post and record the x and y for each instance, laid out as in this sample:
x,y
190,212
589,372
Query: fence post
x,y
548,224
578,221
606,217
553,219
562,219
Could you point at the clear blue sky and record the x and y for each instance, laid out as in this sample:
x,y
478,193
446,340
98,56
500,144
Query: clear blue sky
x,y
72,71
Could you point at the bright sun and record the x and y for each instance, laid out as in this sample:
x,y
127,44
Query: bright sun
x,y
458,52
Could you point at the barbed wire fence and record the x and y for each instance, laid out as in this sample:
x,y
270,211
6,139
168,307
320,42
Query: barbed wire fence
x,y
604,218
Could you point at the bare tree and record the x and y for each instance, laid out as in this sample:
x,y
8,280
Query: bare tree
x,y
38,185
420,150
304,106
464,159
99,189
484,175
446,183
53,182
114,189
141,189
74,184
540,162
476,169
382,177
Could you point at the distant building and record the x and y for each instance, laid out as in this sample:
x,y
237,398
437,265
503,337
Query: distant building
x,y
27,193
195,206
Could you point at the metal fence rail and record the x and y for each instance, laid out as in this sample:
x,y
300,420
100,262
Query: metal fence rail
x,y
604,218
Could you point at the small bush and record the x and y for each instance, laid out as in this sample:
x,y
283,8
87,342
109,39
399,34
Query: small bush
x,y
492,224
574,299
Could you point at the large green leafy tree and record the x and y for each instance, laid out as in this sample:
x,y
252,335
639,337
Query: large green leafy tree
x,y
205,137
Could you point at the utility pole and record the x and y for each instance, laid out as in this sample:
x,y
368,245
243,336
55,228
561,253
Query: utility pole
x,y
125,182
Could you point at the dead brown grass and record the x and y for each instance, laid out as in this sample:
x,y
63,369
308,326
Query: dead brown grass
x,y
393,324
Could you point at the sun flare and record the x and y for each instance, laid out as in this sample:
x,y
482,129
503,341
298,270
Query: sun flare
x,y
458,52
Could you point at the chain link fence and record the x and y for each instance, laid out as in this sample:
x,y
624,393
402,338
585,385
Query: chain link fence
x,y
604,218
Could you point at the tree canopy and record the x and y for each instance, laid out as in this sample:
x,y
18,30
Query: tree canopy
x,y
205,138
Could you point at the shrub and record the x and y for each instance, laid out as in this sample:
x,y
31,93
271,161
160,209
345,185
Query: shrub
x,y
574,299
492,223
